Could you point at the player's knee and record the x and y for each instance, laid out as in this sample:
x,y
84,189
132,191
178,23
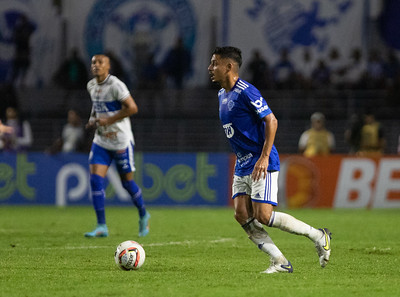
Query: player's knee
x,y
96,182
240,217
263,218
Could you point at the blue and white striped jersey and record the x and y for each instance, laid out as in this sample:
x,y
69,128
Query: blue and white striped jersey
x,y
241,111
107,98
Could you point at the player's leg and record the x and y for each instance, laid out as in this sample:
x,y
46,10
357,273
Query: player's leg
x,y
279,263
126,167
254,230
99,161
286,222
320,237
136,195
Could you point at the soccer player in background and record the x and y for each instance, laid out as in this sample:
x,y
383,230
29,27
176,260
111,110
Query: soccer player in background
x,y
113,140
250,127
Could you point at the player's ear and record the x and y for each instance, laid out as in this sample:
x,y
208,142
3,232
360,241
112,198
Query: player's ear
x,y
229,66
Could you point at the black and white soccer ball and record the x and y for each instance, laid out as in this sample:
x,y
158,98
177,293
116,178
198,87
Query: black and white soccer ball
x,y
129,255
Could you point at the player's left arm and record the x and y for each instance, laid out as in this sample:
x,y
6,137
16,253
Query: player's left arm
x,y
261,166
129,107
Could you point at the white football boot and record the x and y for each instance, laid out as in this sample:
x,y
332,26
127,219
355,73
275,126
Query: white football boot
x,y
323,247
279,267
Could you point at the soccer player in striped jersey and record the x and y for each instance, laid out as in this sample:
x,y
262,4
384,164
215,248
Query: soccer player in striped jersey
x,y
250,127
113,140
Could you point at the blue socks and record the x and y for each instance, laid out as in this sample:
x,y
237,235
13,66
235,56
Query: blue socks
x,y
136,195
98,197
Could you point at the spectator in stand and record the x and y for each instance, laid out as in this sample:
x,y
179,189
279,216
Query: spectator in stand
x,y
305,68
259,69
72,73
393,94
392,68
372,136
321,75
150,76
4,129
21,138
337,68
316,141
8,97
355,70
177,64
116,66
352,134
151,80
283,72
22,58
375,74
72,135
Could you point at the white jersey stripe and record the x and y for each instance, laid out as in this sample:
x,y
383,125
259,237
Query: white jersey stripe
x,y
242,85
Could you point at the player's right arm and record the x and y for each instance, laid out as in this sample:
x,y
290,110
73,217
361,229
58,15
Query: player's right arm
x,y
261,166
92,120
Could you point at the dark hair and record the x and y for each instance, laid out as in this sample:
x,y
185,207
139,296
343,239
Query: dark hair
x,y
229,52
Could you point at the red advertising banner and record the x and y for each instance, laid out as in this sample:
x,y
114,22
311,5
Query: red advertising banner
x,y
339,181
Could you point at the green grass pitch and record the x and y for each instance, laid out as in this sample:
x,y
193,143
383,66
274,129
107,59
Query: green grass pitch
x,y
193,252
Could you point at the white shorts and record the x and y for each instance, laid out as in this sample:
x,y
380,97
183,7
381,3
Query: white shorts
x,y
263,191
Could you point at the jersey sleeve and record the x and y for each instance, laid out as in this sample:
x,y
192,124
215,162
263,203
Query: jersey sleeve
x,y
120,90
258,103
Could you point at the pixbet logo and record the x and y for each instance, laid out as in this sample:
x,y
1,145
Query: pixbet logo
x,y
180,182
13,180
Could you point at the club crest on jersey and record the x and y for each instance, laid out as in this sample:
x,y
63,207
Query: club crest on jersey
x,y
259,105
231,104
229,131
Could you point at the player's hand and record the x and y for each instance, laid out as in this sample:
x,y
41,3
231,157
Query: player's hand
x,y
102,122
91,124
260,168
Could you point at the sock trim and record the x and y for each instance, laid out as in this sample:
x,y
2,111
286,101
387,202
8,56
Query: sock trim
x,y
271,220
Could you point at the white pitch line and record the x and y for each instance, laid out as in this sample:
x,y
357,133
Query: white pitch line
x,y
185,242
188,242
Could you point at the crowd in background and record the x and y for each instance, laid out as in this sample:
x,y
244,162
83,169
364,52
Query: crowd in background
x,y
365,136
373,70
378,70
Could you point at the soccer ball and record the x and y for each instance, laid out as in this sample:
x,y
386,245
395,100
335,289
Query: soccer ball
x,y
129,255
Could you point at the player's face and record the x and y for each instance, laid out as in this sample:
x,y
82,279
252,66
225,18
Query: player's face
x,y
100,66
217,69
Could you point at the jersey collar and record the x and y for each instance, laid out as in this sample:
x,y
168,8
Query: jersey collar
x,y
105,80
